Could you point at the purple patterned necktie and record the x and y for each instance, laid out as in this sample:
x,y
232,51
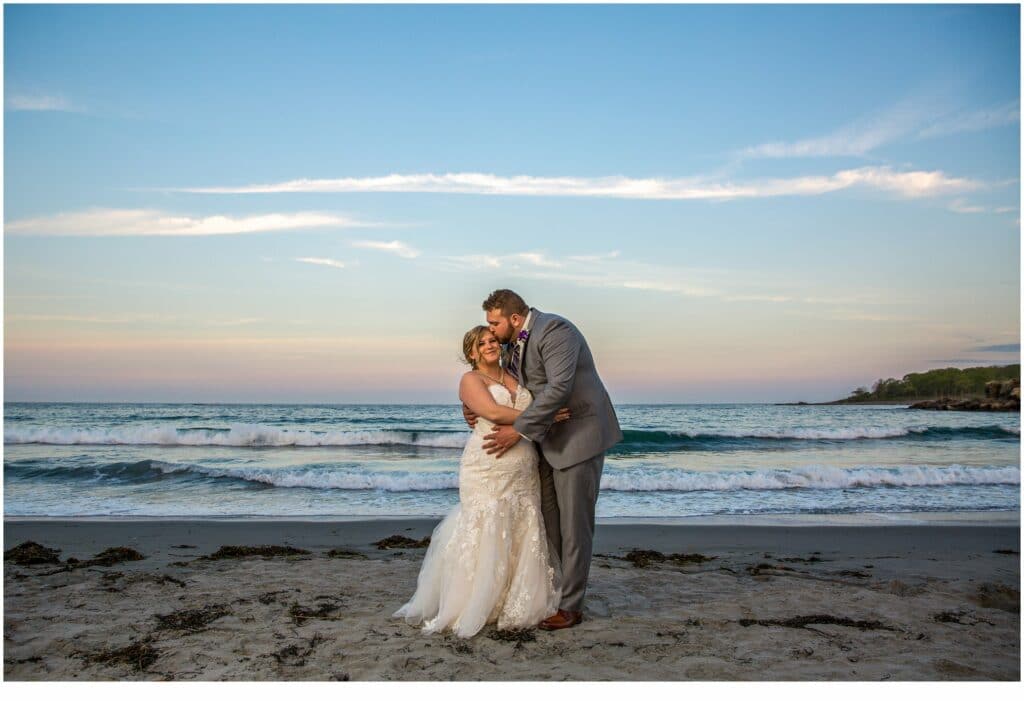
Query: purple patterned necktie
x,y
513,362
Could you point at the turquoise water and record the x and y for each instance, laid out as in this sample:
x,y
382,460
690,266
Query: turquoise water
x,y
386,460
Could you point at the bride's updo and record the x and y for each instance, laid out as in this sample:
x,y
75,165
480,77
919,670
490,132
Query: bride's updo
x,y
469,342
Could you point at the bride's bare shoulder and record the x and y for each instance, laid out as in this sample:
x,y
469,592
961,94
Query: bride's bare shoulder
x,y
471,376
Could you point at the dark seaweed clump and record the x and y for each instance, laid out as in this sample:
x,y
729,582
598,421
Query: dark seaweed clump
x,y
193,620
400,541
346,554
999,596
112,556
645,558
518,636
295,656
31,553
301,614
767,568
804,621
231,552
139,656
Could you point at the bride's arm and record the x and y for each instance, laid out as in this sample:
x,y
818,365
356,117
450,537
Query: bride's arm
x,y
474,393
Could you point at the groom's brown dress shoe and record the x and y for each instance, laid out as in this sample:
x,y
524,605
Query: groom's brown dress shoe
x,y
562,619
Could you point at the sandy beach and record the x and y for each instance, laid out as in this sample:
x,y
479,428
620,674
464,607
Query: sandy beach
x,y
932,600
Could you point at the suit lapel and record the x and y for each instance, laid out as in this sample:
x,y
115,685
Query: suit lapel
x,y
526,346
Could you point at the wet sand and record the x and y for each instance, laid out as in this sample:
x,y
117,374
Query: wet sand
x,y
763,602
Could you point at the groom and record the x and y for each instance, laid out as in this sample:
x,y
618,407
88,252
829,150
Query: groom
x,y
550,357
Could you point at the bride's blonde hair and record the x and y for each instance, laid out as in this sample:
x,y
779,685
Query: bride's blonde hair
x,y
469,342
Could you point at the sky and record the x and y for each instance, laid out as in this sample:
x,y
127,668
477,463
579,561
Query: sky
x,y
310,203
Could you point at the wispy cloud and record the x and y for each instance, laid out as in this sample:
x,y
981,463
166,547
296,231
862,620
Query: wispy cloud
x,y
147,222
854,139
609,271
324,261
962,207
403,250
511,261
596,271
40,103
979,120
595,257
900,183
906,121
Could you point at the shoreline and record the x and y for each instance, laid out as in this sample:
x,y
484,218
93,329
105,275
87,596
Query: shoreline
x,y
860,519
935,600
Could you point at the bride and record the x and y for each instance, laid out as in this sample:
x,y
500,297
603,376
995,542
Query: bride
x,y
488,560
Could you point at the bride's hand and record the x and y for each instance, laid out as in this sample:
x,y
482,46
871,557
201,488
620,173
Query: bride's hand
x,y
563,414
469,416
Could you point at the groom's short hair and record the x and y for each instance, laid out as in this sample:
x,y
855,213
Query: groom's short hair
x,y
507,301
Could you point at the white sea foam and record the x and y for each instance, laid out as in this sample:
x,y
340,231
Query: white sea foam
x,y
849,433
312,478
236,435
636,480
822,477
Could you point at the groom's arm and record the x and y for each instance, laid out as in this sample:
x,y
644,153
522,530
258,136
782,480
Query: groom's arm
x,y
559,350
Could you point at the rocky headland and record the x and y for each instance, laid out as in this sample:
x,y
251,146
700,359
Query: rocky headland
x,y
999,396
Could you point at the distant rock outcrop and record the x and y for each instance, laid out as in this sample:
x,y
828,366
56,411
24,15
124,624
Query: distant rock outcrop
x,y
999,396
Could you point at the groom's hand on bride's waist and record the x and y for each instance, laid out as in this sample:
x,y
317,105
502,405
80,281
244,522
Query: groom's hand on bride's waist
x,y
500,440
469,416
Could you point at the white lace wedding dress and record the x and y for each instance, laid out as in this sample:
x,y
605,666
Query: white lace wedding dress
x,y
488,560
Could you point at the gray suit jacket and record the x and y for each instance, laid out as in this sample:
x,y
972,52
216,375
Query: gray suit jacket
x,y
559,371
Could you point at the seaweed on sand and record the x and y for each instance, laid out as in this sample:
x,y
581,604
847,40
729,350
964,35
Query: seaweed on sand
x,y
32,553
346,554
767,568
193,620
295,656
140,655
644,558
231,552
514,635
998,596
400,541
112,556
804,621
301,614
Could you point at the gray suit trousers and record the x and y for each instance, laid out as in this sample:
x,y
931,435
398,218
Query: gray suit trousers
x,y
568,499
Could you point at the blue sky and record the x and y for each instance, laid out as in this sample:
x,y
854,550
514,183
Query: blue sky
x,y
278,203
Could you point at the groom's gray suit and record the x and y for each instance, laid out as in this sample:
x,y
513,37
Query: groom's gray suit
x,y
558,369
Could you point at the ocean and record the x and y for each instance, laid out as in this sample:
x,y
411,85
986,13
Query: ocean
x,y
291,460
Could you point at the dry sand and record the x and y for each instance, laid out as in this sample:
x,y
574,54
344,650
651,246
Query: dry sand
x,y
811,602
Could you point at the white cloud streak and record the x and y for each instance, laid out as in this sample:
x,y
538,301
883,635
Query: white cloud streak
x,y
511,261
403,250
596,257
40,103
907,184
147,222
855,139
980,120
906,121
962,207
607,271
330,262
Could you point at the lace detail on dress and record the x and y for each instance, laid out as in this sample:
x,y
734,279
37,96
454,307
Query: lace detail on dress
x,y
488,560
